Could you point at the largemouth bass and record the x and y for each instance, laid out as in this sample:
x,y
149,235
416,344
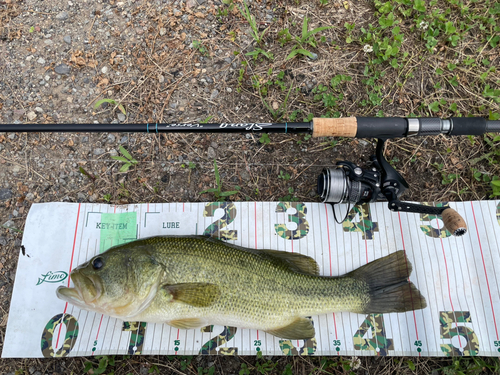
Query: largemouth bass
x,y
193,281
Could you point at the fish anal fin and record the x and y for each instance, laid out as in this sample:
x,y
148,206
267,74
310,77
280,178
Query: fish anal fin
x,y
295,261
194,294
187,323
299,329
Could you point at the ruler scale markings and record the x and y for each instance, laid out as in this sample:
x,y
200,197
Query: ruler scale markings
x,y
451,269
386,219
178,331
104,339
347,256
366,260
461,346
197,331
494,223
407,221
78,253
485,272
442,255
331,269
375,218
478,271
489,238
70,268
100,322
383,239
478,292
342,269
470,301
113,329
391,232
323,322
393,223
80,311
255,220
491,215
437,277
418,249
98,329
153,327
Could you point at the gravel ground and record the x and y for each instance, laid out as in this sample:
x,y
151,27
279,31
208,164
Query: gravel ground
x,y
183,61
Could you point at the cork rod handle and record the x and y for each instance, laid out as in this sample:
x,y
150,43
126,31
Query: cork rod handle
x,y
335,127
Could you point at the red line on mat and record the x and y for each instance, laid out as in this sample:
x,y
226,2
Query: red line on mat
x,y
330,256
448,280
98,329
255,219
70,267
177,339
404,249
484,266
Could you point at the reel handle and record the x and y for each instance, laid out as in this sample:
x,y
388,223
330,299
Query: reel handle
x,y
452,220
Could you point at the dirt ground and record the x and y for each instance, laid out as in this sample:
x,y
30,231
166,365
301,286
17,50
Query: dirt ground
x,y
193,61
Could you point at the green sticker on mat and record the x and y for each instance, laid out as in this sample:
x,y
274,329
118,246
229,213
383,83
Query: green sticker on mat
x,y
117,229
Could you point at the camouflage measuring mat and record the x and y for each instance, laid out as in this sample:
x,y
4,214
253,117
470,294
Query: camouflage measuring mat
x,y
457,275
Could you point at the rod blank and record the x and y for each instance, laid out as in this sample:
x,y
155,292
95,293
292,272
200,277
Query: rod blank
x,y
352,127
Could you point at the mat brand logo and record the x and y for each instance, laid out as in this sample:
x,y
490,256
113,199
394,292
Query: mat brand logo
x,y
52,277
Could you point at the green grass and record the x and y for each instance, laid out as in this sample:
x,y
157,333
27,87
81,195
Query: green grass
x,y
219,193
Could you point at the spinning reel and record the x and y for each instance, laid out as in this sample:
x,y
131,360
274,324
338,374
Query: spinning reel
x,y
349,183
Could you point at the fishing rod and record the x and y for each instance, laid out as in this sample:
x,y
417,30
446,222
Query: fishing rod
x,y
353,127
347,183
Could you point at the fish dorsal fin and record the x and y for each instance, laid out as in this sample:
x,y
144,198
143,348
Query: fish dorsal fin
x,y
299,329
294,261
187,323
194,294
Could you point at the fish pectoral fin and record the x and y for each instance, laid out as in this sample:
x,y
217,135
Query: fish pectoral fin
x,y
187,323
194,294
299,329
295,261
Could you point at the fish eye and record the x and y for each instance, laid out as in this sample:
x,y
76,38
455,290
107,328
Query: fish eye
x,y
97,263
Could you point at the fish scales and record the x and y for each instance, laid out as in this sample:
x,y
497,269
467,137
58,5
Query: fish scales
x,y
254,288
192,281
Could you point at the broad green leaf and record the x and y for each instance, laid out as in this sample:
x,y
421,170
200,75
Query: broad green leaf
x,y
419,5
125,153
449,28
120,158
411,365
125,167
434,107
299,51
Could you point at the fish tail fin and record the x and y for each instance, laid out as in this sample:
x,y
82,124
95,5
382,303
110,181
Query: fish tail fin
x,y
390,289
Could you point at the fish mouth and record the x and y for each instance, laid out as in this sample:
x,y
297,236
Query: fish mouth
x,y
85,293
